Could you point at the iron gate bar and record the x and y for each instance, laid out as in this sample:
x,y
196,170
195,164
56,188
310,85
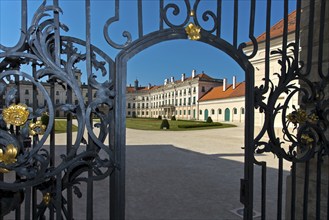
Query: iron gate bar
x,y
280,185
235,23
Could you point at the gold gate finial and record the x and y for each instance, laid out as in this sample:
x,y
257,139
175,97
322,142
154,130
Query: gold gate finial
x,y
193,31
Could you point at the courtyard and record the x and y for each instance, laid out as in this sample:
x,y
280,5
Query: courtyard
x,y
184,175
191,175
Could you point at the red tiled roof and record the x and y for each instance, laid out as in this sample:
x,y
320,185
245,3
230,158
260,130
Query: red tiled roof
x,y
201,76
218,93
277,29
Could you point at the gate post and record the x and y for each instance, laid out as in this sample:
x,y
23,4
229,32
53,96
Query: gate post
x,y
312,176
117,184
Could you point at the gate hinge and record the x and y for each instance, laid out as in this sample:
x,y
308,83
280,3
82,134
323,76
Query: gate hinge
x,y
243,191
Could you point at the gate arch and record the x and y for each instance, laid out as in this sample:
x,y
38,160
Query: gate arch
x,y
135,47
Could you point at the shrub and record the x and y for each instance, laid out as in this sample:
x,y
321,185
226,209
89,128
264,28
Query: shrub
x,y
45,119
159,117
209,120
164,124
173,118
192,125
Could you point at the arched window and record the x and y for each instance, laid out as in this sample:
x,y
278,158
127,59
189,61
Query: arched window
x,y
219,111
242,111
235,111
212,111
200,112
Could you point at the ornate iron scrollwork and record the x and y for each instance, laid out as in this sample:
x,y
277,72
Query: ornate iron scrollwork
x,y
303,130
32,166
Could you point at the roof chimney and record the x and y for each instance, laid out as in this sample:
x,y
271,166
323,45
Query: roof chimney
x,y
149,86
172,79
193,73
224,84
165,81
183,77
234,82
136,85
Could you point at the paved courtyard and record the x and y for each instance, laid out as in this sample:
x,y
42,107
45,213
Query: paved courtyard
x,y
182,175
190,175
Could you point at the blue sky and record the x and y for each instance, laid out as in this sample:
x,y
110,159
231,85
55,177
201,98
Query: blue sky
x,y
161,61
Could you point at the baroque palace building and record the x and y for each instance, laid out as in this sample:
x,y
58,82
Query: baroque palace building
x,y
187,98
174,98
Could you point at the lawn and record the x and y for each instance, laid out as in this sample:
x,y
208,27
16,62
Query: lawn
x,y
60,126
154,124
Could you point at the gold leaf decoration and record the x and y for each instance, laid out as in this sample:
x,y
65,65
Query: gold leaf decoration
x,y
306,139
8,157
193,31
16,114
46,198
37,128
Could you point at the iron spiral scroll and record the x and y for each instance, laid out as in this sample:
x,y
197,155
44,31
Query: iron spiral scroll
x,y
20,123
303,127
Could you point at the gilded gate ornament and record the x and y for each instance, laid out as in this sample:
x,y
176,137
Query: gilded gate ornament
x,y
16,114
37,128
8,157
193,31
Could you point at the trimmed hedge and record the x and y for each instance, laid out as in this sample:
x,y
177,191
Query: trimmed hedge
x,y
209,120
45,119
164,124
201,125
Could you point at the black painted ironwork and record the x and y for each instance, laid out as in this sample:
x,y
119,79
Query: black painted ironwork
x,y
32,173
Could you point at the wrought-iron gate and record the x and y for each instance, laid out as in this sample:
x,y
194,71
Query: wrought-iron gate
x,y
41,176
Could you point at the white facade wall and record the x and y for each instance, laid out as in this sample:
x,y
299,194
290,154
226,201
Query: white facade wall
x,y
233,108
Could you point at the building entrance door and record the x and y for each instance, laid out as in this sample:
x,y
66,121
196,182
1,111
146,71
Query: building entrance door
x,y
227,114
206,113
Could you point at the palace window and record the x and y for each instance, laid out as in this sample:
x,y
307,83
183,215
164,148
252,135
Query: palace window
x,y
212,111
219,111
128,104
242,111
203,89
235,111
26,91
200,112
